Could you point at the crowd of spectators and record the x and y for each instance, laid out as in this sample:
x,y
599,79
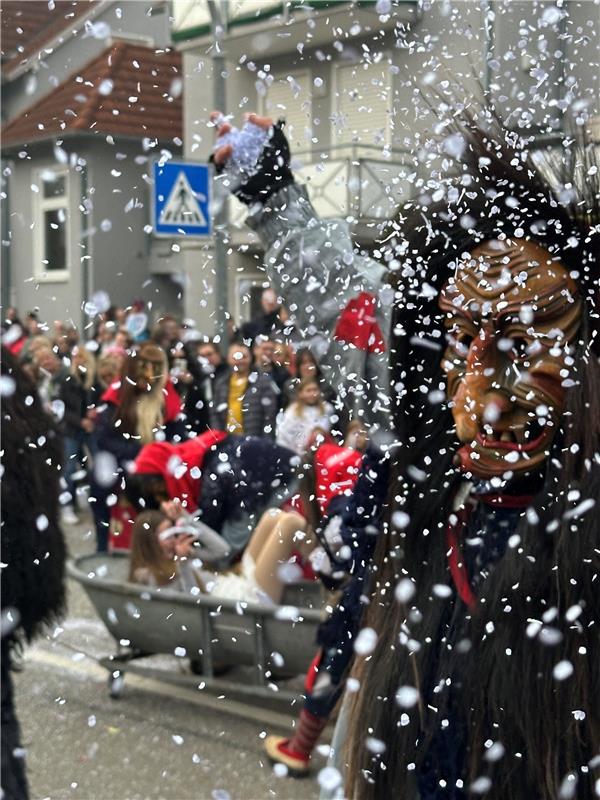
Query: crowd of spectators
x,y
261,385
133,399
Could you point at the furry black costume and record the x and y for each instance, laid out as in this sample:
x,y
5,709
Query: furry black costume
x,y
489,672
33,548
484,652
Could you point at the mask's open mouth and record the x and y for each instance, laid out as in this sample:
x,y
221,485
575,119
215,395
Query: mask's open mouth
x,y
522,438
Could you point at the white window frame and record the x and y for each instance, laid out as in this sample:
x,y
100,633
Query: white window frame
x,y
335,98
42,204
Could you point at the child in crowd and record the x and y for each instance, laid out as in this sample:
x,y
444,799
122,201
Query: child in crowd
x,y
309,411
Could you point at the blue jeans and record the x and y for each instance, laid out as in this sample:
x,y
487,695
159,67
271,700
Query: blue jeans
x,y
78,447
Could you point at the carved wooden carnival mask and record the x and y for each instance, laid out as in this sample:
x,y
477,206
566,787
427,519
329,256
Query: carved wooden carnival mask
x,y
512,314
148,368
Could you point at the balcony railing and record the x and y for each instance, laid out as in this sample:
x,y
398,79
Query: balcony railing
x,y
350,181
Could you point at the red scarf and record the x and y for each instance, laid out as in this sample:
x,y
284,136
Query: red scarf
x,y
179,465
173,404
455,531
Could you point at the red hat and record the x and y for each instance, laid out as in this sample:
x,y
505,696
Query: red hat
x,y
179,465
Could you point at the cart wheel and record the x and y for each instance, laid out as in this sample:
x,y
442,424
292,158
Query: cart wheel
x,y
116,680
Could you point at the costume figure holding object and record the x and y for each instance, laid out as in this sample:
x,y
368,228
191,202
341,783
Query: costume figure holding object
x,y
331,290
347,529
485,659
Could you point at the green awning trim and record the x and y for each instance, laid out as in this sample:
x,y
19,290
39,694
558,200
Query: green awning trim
x,y
238,22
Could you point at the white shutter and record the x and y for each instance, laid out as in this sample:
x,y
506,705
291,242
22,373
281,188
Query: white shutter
x,y
289,97
363,102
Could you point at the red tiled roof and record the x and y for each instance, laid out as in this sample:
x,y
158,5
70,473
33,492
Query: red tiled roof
x,y
28,25
128,90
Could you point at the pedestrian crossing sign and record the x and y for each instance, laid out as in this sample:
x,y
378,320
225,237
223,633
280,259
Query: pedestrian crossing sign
x,y
181,197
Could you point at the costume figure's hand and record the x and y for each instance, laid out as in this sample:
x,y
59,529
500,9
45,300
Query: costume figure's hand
x,y
272,169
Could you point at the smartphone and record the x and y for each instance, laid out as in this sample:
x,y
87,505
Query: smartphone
x,y
179,367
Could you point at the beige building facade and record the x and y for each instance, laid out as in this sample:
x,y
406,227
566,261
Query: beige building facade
x,y
349,78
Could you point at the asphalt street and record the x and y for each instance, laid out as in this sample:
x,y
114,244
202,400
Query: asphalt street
x,y
155,741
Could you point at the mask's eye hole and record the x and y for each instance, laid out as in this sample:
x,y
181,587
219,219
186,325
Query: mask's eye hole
x,y
464,339
461,342
520,347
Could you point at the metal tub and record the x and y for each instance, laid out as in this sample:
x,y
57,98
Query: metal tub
x,y
272,639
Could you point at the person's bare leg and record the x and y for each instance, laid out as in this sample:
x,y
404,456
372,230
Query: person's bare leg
x,y
261,533
277,549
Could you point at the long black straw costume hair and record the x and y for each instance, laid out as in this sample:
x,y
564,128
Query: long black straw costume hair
x,y
33,547
541,603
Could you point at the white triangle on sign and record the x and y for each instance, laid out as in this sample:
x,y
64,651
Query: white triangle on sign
x,y
182,207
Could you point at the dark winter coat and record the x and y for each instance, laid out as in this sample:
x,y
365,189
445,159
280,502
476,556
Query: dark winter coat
x,y
33,548
361,522
265,325
125,448
242,477
199,399
259,406
65,387
278,376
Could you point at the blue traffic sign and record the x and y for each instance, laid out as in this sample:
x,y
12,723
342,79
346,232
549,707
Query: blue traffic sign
x,y
181,199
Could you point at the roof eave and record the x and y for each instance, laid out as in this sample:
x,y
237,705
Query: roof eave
x,y
30,63
91,135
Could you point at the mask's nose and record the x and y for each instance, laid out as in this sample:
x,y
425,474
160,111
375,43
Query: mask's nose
x,y
146,373
477,389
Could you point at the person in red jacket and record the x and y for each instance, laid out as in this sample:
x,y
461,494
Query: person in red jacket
x,y
139,408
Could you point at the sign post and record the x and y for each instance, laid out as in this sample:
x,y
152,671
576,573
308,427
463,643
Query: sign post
x,y
181,199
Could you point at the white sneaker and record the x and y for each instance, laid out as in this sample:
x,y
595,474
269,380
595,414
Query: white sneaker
x,y
68,516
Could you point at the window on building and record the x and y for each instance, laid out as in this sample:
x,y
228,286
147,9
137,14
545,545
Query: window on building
x,y
52,224
289,97
362,103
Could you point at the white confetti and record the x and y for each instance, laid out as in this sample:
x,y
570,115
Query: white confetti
x,y
562,670
407,696
365,642
329,779
404,591
41,522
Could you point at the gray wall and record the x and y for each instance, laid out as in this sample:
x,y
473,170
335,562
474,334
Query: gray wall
x,y
467,41
56,299
121,255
